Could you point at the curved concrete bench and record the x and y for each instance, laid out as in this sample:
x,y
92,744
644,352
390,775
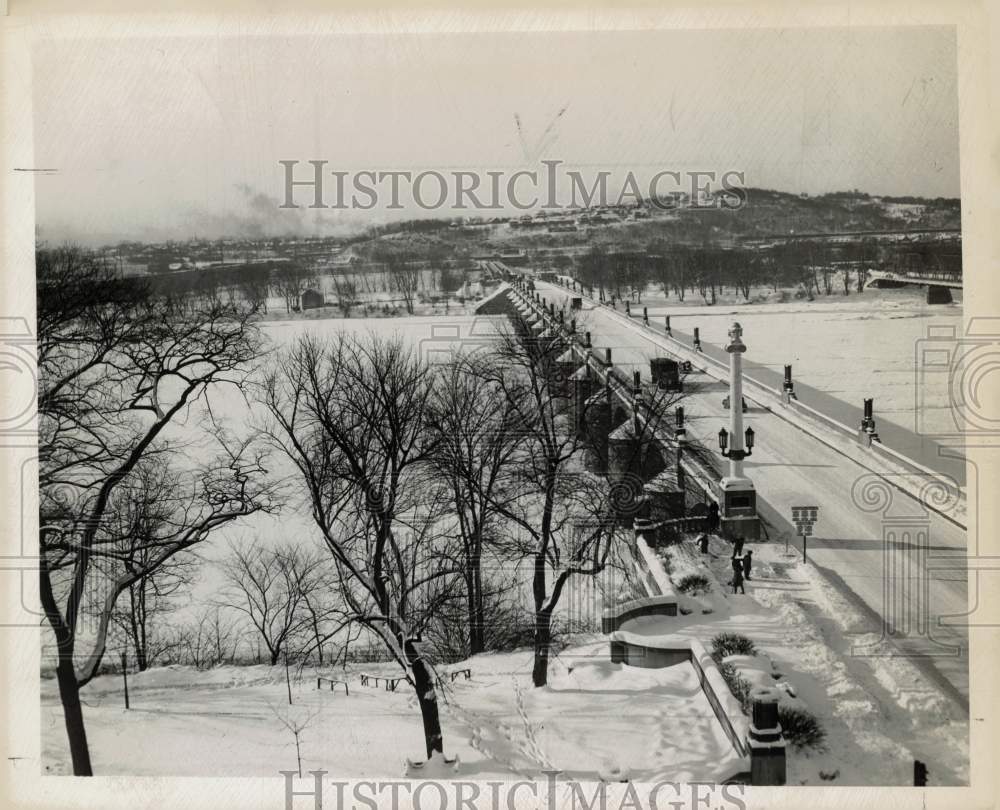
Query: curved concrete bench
x,y
615,617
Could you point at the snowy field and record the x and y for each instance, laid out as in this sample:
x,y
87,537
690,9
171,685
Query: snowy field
x,y
594,720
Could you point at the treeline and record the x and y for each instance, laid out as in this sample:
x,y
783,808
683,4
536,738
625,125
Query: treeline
x,y
815,267
348,287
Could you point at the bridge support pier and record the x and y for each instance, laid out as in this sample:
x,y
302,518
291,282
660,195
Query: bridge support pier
x,y
936,294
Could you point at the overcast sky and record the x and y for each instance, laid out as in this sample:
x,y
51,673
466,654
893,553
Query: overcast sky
x,y
179,137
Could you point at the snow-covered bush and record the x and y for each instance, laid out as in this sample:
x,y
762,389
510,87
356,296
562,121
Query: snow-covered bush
x,y
801,728
693,584
731,644
737,685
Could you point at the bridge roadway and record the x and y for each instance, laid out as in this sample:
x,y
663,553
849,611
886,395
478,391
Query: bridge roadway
x,y
790,467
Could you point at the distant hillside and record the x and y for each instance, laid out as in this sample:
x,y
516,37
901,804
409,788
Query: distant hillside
x,y
766,213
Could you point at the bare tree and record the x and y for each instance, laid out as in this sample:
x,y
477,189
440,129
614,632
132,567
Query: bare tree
x,y
326,616
296,721
138,619
477,436
209,640
351,414
346,289
269,586
255,285
291,280
115,370
404,278
565,518
541,499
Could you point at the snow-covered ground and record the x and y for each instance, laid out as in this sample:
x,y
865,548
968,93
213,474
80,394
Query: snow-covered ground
x,y
595,720
879,712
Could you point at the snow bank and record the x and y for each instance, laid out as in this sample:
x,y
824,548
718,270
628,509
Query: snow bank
x,y
655,567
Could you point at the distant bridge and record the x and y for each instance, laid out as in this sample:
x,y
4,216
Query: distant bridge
x,y
939,285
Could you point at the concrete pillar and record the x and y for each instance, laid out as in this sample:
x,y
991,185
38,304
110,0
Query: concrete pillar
x,y
629,472
597,418
583,387
766,743
664,495
622,454
565,366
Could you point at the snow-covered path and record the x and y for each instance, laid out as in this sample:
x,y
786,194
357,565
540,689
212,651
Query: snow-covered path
x,y
867,551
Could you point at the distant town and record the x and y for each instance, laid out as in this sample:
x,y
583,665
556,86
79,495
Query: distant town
x,y
804,245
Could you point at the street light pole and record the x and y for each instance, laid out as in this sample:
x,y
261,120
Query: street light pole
x,y
736,348
739,498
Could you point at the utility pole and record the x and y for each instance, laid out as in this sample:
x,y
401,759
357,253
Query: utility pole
x,y
125,676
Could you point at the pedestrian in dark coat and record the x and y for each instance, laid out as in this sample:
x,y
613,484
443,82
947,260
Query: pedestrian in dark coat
x,y
713,517
747,563
703,543
738,576
738,547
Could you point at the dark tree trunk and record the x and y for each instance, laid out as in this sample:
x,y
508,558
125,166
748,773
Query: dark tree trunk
x,y
69,695
474,584
423,684
480,609
543,639
319,638
69,686
543,619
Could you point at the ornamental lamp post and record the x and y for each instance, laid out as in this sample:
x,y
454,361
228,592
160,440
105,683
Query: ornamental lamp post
x,y
739,498
739,455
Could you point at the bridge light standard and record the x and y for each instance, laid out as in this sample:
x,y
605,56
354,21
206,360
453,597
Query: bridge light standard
x,y
739,455
739,498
